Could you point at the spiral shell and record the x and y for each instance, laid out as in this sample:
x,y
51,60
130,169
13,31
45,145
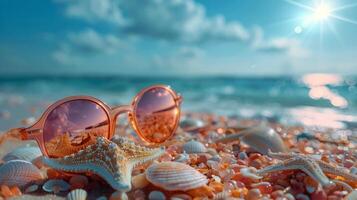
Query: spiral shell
x,y
175,176
23,153
56,186
194,147
19,173
77,194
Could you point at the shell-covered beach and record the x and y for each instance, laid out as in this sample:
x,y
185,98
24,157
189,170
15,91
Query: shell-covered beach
x,y
178,100
209,157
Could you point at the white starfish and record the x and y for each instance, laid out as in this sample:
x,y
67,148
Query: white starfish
x,y
313,167
113,161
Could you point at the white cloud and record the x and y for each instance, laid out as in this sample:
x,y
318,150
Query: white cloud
x,y
94,10
291,47
182,20
87,42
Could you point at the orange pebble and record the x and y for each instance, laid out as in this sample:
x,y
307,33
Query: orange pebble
x,y
239,177
239,193
52,174
5,191
16,191
203,191
216,186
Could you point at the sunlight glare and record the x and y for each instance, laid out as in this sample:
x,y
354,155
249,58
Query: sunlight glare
x,y
322,12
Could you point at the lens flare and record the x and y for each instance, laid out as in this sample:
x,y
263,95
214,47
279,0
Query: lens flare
x,y
321,12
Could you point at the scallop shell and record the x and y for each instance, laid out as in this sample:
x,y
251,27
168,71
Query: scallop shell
x,y
19,173
56,185
77,194
23,153
194,147
175,176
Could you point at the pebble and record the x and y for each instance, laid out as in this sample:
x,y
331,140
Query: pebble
x,y
156,195
117,195
242,155
353,170
302,197
139,181
253,194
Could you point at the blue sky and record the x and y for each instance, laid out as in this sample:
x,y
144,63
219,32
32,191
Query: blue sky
x,y
177,37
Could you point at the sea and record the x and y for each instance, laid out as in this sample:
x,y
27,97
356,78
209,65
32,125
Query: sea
x,y
315,100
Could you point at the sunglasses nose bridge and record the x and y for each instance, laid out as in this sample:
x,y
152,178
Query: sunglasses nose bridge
x,y
120,109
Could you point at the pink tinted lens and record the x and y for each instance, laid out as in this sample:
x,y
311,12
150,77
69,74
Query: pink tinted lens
x,y
74,125
156,115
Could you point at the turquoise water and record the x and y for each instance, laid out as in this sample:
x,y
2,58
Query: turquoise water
x,y
329,101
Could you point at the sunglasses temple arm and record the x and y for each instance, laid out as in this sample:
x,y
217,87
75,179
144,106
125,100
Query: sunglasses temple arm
x,y
19,133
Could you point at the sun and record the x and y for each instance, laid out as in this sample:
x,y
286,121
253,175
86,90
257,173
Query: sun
x,y
321,12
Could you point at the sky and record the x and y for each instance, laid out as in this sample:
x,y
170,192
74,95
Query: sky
x,y
178,37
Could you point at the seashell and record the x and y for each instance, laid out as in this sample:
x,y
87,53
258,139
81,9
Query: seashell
x,y
249,172
31,188
222,195
189,123
351,196
174,176
156,195
19,173
78,181
260,138
23,153
102,198
139,181
183,157
77,194
194,147
56,186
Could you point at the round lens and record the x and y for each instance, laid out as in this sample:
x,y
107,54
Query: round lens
x,y
74,125
156,115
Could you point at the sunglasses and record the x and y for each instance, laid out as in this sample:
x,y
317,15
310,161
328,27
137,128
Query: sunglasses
x,y
73,123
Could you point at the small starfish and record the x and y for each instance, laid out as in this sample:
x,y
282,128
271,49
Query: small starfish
x,y
313,167
113,161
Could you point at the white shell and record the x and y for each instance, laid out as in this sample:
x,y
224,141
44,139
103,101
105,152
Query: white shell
x,y
175,176
250,172
194,147
23,153
56,185
19,173
77,194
